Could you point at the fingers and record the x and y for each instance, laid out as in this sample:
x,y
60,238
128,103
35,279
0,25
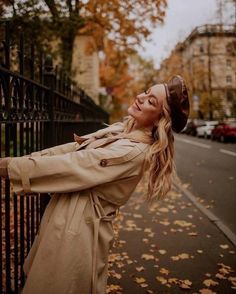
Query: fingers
x,y
79,139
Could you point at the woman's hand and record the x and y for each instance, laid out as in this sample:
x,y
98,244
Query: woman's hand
x,y
3,167
79,139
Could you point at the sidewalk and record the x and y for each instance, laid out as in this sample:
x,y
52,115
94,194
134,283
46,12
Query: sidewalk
x,y
174,248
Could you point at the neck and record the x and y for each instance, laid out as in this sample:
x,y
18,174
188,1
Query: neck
x,y
131,124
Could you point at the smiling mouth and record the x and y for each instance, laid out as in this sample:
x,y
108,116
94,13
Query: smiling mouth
x,y
137,106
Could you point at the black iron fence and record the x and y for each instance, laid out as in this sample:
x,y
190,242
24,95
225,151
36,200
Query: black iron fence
x,y
39,108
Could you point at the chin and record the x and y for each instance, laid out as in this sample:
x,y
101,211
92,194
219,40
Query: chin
x,y
131,112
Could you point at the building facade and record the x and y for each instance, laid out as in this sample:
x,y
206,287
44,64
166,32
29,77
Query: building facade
x,y
207,60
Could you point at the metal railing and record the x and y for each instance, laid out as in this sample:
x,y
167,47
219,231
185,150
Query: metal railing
x,y
39,108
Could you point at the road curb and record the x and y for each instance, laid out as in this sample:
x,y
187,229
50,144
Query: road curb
x,y
211,216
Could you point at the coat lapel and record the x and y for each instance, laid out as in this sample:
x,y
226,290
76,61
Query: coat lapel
x,y
111,134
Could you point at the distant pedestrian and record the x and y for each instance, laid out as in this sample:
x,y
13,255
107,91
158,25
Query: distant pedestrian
x,y
88,181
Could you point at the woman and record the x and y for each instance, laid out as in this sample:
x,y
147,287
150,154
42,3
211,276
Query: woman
x,y
89,180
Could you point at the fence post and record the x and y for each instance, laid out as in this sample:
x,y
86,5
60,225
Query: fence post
x,y
49,80
49,127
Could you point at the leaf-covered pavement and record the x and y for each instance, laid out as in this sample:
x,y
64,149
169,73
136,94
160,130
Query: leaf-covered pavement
x,y
172,248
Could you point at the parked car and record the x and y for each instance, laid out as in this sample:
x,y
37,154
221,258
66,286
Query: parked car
x,y
191,127
224,131
205,130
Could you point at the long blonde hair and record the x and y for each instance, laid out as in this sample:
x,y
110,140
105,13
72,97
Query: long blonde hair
x,y
160,157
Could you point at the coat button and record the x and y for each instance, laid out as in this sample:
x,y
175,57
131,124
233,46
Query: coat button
x,y
103,162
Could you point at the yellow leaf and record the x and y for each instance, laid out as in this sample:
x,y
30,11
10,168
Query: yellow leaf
x,y
184,256
206,291
185,284
182,223
147,256
140,280
162,251
173,281
224,246
221,277
165,223
232,280
192,233
140,268
210,282
143,285
174,258
199,251
161,279
164,271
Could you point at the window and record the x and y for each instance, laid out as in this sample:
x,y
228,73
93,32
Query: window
x,y
228,79
201,48
228,64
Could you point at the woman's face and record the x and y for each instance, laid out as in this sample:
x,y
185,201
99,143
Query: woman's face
x,y
147,106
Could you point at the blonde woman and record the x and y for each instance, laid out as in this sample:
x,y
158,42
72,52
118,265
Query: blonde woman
x,y
89,180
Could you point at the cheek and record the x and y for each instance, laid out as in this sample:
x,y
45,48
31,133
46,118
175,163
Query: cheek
x,y
153,114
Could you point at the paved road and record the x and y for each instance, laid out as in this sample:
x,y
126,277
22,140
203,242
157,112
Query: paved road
x,y
172,248
209,168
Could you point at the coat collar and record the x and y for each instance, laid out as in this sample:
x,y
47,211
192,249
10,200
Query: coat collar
x,y
113,133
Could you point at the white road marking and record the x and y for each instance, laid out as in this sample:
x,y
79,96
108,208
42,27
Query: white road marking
x,y
194,143
228,152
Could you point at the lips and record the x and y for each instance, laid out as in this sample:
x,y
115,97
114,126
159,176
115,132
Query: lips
x,y
137,106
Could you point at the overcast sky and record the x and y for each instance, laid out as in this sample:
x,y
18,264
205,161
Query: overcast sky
x,y
182,16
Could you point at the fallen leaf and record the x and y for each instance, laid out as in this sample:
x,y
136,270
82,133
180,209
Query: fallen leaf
x,y
165,223
220,276
182,223
185,284
164,271
161,279
224,246
162,251
140,280
199,251
147,256
140,268
184,256
232,280
206,291
210,282
192,233
143,285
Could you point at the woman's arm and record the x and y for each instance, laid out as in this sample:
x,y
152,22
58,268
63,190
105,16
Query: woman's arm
x,y
56,150
72,171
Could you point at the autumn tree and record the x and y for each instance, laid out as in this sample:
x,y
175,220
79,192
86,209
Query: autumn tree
x,y
124,22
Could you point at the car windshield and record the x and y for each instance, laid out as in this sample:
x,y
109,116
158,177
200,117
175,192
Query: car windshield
x,y
212,123
232,124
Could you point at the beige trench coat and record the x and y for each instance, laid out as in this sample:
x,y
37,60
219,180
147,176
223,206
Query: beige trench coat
x,y
88,182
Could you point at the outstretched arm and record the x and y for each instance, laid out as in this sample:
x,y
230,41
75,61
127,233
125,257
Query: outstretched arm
x,y
73,171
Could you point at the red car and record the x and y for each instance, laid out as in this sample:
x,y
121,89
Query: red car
x,y
224,131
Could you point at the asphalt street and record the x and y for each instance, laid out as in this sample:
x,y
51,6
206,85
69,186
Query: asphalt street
x,y
172,248
208,170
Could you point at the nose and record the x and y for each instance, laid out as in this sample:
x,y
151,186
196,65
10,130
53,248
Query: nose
x,y
140,98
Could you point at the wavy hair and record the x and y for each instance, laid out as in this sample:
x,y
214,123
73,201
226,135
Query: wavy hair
x,y
160,157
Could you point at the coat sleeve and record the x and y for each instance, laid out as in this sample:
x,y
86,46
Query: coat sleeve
x,y
66,148
73,171
56,150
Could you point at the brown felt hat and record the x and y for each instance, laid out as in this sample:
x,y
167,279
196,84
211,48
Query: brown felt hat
x,y
178,100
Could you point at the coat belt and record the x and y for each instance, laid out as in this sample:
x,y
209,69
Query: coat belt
x,y
96,206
